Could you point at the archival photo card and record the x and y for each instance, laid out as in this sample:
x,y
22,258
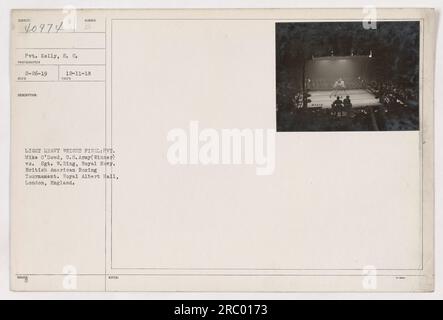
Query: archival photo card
x,y
258,150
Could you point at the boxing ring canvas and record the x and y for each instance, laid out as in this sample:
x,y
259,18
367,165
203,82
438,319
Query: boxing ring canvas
x,y
359,98
353,71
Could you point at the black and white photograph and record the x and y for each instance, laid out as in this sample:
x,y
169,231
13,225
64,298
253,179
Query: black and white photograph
x,y
348,76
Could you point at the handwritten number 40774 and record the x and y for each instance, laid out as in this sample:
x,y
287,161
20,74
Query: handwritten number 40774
x,y
44,27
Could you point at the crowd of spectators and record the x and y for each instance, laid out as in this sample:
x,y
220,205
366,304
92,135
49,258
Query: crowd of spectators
x,y
391,94
398,109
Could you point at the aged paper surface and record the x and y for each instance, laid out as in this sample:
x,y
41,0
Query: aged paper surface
x,y
204,150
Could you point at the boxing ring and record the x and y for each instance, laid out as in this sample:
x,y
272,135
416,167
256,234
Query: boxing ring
x,y
359,98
